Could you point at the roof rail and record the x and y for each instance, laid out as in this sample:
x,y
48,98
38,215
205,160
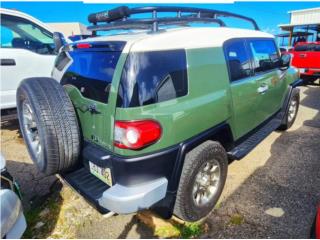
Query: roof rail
x,y
118,18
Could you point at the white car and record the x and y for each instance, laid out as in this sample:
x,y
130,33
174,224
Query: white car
x,y
27,50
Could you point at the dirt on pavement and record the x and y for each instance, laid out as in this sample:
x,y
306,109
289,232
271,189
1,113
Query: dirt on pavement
x,y
272,192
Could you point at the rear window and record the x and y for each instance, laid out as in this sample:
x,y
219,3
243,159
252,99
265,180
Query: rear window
x,y
91,71
152,77
307,48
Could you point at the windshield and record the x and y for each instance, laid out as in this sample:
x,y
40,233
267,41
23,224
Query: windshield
x,y
18,32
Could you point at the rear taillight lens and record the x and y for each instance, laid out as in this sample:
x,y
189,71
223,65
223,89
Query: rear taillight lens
x,y
136,134
83,45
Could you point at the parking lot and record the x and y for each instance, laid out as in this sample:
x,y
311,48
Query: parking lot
x,y
271,193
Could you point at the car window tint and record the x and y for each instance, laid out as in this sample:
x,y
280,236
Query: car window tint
x,y
265,55
22,33
91,72
152,77
307,47
238,59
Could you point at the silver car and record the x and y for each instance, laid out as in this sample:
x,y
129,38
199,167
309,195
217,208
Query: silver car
x,y
13,222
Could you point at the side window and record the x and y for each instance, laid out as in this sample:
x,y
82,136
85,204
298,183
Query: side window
x,y
18,32
7,36
152,77
265,55
238,59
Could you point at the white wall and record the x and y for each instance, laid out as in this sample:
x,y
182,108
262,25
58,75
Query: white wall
x,y
307,16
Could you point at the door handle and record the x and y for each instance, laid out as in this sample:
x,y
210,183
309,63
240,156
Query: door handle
x,y
8,62
263,88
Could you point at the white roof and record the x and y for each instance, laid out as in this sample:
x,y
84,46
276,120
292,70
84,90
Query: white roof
x,y
182,38
305,10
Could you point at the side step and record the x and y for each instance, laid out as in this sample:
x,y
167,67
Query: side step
x,y
253,140
88,186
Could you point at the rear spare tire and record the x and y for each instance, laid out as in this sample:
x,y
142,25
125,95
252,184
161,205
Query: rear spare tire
x,y
48,124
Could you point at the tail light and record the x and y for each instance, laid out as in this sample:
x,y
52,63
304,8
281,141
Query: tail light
x,y
83,45
136,134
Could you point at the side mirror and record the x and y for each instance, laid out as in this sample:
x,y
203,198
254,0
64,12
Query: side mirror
x,y
285,61
59,41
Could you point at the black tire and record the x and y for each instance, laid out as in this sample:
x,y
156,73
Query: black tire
x,y
54,124
287,122
185,206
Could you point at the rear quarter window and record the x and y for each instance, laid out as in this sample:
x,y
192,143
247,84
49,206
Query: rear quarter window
x,y
152,77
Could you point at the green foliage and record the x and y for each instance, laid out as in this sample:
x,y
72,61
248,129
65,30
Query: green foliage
x,y
35,215
191,230
236,219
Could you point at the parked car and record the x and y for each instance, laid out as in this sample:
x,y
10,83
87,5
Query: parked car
x,y
27,50
149,119
13,222
306,57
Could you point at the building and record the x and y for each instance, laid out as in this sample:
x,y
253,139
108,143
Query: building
x,y
69,28
306,21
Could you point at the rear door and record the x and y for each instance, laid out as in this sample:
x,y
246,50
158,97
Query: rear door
x,y
87,71
243,86
270,79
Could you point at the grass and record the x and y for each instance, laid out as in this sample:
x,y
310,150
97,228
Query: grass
x,y
191,230
177,230
236,219
35,215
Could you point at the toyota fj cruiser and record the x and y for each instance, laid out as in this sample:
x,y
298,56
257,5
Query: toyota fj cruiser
x,y
150,119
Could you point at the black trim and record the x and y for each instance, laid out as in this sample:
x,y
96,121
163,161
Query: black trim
x,y
296,83
8,62
88,186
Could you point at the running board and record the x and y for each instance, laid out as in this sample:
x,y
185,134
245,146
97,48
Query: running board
x,y
252,141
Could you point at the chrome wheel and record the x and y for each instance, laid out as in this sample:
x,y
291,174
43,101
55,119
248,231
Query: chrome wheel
x,y
206,183
31,130
292,110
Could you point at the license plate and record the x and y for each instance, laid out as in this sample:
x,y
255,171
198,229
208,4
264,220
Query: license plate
x,y
104,174
302,70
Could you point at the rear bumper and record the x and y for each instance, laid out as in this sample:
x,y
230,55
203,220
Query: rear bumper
x,y
138,182
122,199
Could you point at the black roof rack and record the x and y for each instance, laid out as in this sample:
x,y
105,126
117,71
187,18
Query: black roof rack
x,y
118,18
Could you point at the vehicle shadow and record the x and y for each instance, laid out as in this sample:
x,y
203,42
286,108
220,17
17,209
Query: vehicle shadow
x,y
278,200
118,226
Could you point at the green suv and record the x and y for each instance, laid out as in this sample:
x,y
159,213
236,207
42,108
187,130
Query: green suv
x,y
151,118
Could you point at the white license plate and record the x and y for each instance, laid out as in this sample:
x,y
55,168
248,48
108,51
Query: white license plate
x,y
104,174
302,70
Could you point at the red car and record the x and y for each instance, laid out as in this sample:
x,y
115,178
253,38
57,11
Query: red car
x,y
306,57
315,232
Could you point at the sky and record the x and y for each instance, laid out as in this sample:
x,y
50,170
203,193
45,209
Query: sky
x,y
268,15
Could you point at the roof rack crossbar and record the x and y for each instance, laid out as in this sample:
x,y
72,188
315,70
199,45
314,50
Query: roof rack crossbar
x,y
118,18
147,22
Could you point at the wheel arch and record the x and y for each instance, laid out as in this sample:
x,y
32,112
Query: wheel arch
x,y
221,133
